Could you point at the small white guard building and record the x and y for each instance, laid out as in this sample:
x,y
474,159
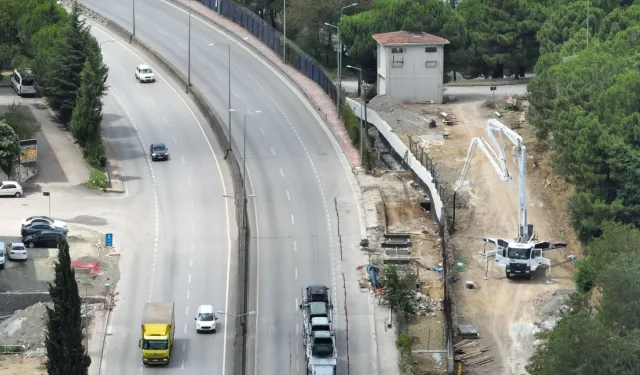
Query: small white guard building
x,y
410,66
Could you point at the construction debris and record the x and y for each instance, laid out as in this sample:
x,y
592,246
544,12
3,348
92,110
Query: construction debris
x,y
469,354
427,306
467,331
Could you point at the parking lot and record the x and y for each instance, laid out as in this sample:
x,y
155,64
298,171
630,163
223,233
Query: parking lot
x,y
89,215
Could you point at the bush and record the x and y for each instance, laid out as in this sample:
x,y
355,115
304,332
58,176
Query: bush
x,y
21,121
94,154
370,92
97,180
353,125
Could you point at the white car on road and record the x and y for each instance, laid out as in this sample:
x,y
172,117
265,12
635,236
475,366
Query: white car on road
x,y
44,219
10,189
206,320
16,251
144,73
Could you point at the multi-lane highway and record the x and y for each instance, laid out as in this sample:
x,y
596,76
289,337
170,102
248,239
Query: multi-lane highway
x,y
295,170
183,254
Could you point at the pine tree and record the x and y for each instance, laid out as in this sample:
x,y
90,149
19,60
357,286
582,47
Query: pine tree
x,y
63,339
72,54
87,114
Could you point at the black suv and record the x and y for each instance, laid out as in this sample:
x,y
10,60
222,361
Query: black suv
x,y
46,239
39,226
159,151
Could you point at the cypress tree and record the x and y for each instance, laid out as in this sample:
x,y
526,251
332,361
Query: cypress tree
x,y
63,339
72,54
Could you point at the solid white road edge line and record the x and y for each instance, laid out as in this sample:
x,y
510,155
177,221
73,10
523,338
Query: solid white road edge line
x,y
224,190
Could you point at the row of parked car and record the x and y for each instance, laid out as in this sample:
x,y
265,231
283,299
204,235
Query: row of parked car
x,y
36,231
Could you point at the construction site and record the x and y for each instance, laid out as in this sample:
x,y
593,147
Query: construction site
x,y
500,207
24,299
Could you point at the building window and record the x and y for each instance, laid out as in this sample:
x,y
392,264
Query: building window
x,y
397,50
431,64
397,62
431,49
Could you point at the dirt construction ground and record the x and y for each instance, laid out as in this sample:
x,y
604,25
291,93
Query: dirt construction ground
x,y
502,311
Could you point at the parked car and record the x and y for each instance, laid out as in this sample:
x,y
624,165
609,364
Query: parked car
x,y
39,226
10,189
144,73
206,319
46,238
2,255
45,219
159,151
16,251
23,82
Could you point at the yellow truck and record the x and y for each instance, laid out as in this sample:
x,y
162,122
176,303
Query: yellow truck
x,y
158,328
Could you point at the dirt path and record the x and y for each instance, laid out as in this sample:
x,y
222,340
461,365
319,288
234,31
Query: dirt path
x,y
502,311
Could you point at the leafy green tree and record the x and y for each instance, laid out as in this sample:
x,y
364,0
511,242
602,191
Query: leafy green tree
x,y
564,23
502,36
398,291
63,339
21,121
72,54
9,147
618,20
430,16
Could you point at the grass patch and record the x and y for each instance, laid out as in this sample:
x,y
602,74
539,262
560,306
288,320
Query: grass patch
x,y
490,82
97,180
11,349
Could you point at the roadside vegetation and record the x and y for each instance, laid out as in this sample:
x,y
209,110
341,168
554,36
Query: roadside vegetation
x,y
66,61
64,339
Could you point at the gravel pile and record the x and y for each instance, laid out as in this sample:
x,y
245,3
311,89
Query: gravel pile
x,y
26,327
401,117
426,306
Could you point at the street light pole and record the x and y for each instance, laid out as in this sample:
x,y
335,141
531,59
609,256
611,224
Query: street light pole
x,y
340,49
284,31
362,109
134,16
228,87
189,53
339,68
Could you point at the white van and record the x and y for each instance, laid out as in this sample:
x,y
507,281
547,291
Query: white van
x,y
2,255
23,82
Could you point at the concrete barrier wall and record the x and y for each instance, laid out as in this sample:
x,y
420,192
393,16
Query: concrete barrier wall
x,y
403,150
12,302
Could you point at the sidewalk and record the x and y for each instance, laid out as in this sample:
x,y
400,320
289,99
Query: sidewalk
x,y
314,93
97,332
60,161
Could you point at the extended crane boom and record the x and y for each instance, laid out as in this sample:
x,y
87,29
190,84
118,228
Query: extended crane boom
x,y
522,255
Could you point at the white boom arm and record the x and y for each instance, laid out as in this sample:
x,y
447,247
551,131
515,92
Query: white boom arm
x,y
497,158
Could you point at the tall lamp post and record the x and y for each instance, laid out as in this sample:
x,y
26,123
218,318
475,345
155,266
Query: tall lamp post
x,y
228,45
340,47
244,146
189,53
363,109
48,195
284,31
133,5
339,67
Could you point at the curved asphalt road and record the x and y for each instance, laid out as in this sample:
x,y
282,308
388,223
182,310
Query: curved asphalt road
x,y
183,253
295,171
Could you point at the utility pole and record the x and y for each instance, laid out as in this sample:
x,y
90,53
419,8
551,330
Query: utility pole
x,y
340,47
362,113
228,87
284,31
134,17
189,53
339,67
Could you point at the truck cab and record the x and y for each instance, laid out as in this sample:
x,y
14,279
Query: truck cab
x,y
522,259
157,331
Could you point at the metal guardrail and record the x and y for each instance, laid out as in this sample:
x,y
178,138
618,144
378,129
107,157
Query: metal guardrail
x,y
12,349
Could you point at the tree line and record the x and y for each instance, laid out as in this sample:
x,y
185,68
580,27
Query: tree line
x,y
67,65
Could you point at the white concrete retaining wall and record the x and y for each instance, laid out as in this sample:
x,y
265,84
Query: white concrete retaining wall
x,y
401,149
